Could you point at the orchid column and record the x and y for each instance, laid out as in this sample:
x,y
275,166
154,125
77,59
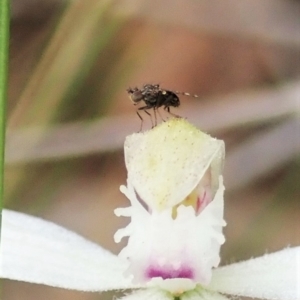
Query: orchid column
x,y
176,194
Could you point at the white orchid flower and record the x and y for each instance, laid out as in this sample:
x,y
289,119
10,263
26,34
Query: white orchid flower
x,y
175,189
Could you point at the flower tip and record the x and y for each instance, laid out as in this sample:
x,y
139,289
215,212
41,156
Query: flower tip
x,y
167,162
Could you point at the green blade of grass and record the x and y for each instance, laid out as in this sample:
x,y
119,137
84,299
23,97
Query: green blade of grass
x,y
4,38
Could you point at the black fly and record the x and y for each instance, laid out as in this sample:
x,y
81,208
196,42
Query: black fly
x,y
155,97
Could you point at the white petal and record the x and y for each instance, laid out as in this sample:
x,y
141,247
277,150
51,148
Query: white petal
x,y
38,251
185,247
149,294
272,276
166,163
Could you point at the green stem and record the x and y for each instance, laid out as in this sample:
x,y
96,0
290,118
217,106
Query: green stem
x,y
4,42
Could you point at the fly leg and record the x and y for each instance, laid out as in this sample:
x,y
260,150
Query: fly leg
x,y
160,115
141,120
144,108
167,108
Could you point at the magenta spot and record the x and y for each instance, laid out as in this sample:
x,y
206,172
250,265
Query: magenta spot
x,y
203,201
170,273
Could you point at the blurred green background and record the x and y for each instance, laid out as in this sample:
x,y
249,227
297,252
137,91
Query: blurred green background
x,y
68,111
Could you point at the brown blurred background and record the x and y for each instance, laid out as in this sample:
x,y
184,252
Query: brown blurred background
x,y
68,111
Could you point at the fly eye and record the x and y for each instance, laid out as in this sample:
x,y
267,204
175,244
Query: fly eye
x,y
136,96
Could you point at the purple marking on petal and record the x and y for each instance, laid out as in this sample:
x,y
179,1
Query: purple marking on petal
x,y
170,273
